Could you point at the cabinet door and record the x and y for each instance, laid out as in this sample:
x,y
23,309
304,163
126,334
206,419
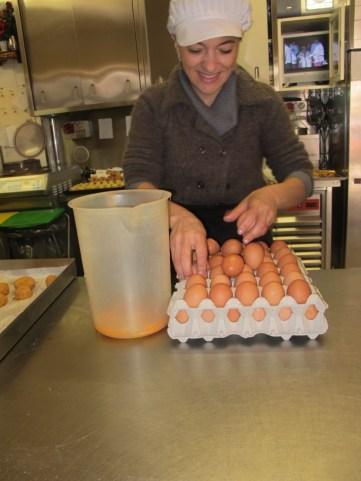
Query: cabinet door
x,y
51,54
107,51
337,45
253,50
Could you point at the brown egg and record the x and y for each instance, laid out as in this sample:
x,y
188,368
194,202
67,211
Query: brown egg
x,y
233,315
259,314
253,255
231,246
219,294
270,277
232,264
247,293
208,315
311,312
282,252
277,245
195,294
245,277
285,313
266,267
267,259
3,299
182,316
292,276
273,292
4,288
287,259
215,261
265,246
290,267
216,271
195,279
221,279
213,246
299,290
246,268
25,281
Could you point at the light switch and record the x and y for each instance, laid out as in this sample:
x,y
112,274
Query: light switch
x,y
105,128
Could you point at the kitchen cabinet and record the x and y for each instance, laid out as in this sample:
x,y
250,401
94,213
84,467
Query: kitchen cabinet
x,y
88,54
254,51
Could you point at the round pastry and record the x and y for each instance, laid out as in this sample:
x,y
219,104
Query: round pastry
x,y
3,299
27,281
23,292
50,279
4,288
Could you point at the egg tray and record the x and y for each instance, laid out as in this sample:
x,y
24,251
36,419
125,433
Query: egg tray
x,y
297,324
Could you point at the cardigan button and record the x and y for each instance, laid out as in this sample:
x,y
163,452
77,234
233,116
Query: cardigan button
x,y
200,184
228,186
202,150
223,152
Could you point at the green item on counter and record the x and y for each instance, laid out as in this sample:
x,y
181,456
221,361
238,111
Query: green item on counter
x,y
32,218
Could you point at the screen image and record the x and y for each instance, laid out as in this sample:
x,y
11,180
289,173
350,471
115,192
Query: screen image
x,y
306,53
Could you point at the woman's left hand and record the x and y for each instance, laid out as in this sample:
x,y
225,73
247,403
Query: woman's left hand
x,y
254,215
258,211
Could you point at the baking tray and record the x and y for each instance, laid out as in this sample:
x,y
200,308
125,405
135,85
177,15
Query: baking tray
x,y
66,272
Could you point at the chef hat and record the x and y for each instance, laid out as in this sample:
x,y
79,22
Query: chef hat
x,y
192,21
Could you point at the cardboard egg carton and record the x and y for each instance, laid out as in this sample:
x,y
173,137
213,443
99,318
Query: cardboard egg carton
x,y
247,326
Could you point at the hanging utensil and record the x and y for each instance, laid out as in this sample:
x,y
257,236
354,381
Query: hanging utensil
x,y
315,111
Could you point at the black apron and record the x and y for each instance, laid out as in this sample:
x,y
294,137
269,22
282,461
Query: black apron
x,y
212,219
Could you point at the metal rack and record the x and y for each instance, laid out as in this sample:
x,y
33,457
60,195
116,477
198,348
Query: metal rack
x,y
307,228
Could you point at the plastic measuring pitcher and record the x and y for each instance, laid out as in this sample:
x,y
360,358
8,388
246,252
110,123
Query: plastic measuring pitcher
x,y
124,245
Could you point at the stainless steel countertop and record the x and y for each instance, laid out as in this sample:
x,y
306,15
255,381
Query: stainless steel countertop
x,y
76,406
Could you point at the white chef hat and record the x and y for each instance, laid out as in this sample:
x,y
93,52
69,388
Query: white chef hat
x,y
192,21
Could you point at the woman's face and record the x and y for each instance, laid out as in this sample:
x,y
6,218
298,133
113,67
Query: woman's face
x,y
209,64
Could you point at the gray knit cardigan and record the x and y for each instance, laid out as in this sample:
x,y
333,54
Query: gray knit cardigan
x,y
173,147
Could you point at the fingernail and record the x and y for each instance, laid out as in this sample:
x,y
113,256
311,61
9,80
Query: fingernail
x,y
240,231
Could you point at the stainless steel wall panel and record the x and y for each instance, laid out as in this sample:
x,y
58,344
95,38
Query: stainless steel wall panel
x,y
52,55
107,49
82,55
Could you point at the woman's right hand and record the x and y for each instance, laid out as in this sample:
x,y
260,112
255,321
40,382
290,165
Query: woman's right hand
x,y
188,239
188,242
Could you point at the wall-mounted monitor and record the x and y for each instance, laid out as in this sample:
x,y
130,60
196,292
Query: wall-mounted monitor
x,y
308,50
306,57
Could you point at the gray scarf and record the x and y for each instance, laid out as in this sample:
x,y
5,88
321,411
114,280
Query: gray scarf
x,y
222,115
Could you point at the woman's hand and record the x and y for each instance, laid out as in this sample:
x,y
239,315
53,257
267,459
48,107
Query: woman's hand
x,y
188,239
254,215
258,211
188,242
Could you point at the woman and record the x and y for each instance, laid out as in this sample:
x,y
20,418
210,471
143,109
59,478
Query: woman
x,y
204,133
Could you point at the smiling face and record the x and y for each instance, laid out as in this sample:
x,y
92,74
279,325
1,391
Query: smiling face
x,y
209,64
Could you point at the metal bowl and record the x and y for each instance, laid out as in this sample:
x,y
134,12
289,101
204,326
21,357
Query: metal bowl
x,y
29,139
